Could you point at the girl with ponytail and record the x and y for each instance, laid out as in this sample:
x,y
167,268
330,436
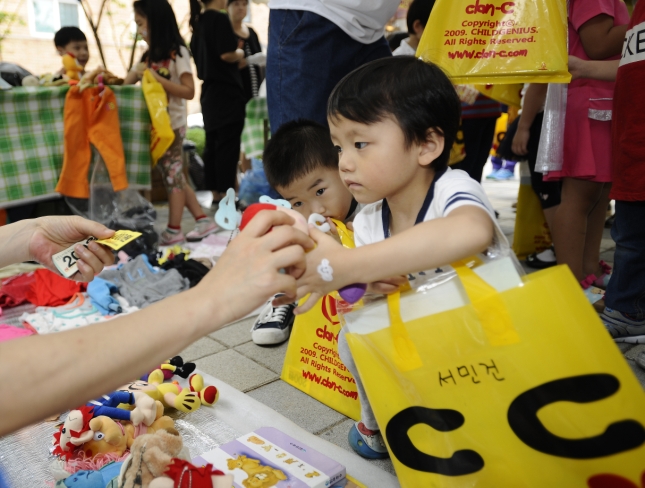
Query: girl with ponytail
x,y
168,60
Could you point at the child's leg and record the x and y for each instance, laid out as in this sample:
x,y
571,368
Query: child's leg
x,y
192,204
595,228
367,415
579,198
171,167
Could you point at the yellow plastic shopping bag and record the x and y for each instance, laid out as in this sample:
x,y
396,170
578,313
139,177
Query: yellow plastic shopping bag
x,y
510,95
162,135
472,386
312,363
498,41
458,149
531,230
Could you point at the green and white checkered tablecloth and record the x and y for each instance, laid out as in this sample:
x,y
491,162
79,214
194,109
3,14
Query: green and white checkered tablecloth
x,y
253,133
31,140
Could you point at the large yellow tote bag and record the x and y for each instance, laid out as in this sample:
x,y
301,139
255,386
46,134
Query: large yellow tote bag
x,y
162,135
514,388
498,41
312,363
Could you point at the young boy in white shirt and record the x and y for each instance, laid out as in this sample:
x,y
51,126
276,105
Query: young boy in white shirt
x,y
393,122
301,163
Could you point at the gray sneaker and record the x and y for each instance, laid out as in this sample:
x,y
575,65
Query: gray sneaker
x,y
622,327
640,359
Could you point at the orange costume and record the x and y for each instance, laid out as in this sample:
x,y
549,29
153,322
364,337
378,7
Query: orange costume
x,y
91,117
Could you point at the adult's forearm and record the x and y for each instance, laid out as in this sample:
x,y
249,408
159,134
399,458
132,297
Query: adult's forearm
x,y
70,368
14,242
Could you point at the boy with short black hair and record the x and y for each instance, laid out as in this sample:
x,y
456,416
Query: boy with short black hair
x,y
394,121
417,18
72,40
301,163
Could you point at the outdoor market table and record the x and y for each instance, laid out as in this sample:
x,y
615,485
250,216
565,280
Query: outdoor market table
x,y
31,141
256,127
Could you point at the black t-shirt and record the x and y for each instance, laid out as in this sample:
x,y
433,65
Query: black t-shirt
x,y
214,37
222,98
252,75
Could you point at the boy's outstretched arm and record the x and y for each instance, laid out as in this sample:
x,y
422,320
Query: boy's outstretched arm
x,y
48,374
466,231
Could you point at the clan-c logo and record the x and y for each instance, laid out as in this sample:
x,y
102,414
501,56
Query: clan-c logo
x,y
328,308
489,8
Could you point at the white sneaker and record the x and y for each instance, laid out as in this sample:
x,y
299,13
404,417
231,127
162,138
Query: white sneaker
x,y
203,228
273,326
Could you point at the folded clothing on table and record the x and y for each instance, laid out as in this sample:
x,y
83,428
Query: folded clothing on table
x,y
41,287
79,312
141,284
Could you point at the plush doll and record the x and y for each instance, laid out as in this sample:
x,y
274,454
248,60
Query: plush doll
x,y
99,76
109,436
150,456
174,366
72,67
51,79
75,431
106,477
181,474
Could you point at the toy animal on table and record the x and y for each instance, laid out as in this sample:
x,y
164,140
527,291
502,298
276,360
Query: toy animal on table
x,y
350,293
110,436
99,76
150,456
73,68
167,370
76,431
173,395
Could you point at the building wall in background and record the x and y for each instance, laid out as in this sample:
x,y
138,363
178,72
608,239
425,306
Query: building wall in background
x,y
30,41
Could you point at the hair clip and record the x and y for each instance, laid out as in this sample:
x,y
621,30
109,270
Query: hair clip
x,y
227,216
274,201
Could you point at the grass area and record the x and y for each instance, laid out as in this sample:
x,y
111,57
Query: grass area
x,y
198,136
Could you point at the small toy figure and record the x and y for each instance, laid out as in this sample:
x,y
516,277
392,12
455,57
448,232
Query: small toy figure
x,y
73,68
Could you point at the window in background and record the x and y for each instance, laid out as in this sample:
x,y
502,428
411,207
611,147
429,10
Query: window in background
x,y
50,15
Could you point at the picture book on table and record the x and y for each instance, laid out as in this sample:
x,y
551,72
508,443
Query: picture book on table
x,y
268,457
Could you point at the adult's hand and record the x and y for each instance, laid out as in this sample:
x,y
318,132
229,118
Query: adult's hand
x,y
50,235
249,271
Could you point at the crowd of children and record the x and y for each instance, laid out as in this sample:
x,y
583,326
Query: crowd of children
x,y
381,163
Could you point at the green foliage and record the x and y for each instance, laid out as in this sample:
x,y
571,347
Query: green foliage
x,y
198,136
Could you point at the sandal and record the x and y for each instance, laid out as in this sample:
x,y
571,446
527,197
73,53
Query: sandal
x,y
533,261
603,280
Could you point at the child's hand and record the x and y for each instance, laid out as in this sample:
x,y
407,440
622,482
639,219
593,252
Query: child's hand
x,y
248,272
521,141
577,67
327,269
388,286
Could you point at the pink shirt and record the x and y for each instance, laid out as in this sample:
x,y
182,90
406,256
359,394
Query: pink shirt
x,y
581,11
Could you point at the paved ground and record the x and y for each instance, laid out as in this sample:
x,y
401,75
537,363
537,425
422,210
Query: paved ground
x,y
230,355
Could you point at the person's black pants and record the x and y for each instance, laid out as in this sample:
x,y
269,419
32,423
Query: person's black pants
x,y
478,140
547,191
221,156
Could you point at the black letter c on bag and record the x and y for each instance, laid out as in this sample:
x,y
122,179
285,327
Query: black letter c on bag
x,y
618,437
460,463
